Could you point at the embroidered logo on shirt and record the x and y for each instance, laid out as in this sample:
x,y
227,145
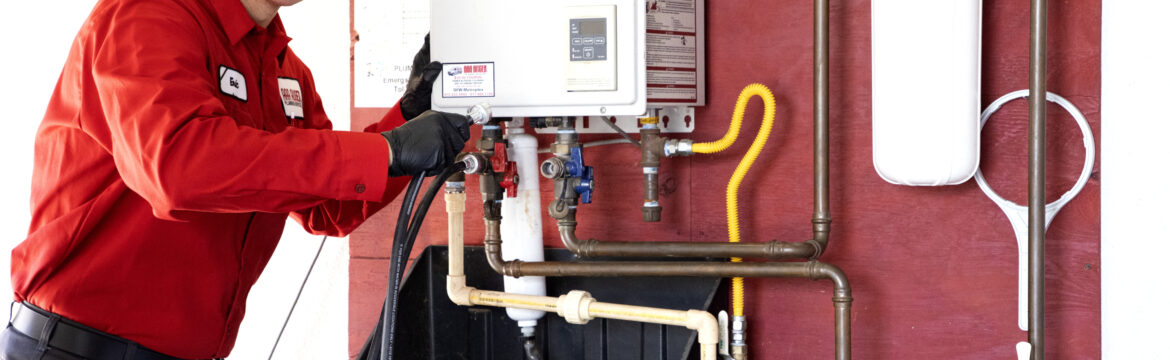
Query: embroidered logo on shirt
x,y
231,82
291,98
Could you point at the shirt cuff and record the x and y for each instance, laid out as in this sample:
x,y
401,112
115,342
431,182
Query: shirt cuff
x,y
364,166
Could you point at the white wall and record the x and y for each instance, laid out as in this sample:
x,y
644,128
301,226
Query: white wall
x,y
35,39
319,327
1135,168
31,64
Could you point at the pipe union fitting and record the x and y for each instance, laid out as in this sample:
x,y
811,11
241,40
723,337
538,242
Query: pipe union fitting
x,y
739,331
574,307
455,187
480,113
684,147
553,168
472,164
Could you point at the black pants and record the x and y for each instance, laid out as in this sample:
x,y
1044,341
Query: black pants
x,y
17,346
35,334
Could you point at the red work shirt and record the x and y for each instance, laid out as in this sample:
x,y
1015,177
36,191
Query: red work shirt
x,y
178,140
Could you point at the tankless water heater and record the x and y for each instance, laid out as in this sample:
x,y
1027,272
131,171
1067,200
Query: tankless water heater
x,y
539,57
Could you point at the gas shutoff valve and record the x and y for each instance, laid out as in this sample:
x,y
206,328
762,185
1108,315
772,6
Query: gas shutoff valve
x,y
575,167
505,169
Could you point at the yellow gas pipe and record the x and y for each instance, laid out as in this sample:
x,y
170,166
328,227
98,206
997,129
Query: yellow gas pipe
x,y
741,170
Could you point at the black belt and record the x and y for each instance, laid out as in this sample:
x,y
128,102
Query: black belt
x,y
53,331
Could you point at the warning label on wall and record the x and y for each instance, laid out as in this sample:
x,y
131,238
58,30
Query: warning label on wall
x,y
469,80
672,52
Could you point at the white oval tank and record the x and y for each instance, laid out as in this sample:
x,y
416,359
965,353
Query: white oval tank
x,y
521,226
926,77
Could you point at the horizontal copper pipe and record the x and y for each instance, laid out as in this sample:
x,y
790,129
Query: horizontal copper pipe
x,y
813,270
768,250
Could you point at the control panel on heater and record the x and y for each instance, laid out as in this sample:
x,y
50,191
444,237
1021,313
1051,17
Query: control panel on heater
x,y
590,65
534,58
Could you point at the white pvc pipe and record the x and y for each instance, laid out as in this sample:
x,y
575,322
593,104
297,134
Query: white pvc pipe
x,y
577,307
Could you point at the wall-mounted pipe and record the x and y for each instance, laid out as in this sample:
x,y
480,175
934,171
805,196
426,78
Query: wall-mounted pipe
x,y
653,146
814,270
1036,199
810,249
652,143
577,307
821,218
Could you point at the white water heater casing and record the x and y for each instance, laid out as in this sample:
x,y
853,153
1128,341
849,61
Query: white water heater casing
x,y
926,81
539,57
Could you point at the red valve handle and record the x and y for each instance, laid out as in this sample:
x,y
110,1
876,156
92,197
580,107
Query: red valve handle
x,y
505,169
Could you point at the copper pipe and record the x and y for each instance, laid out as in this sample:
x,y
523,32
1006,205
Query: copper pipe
x,y
821,218
652,144
811,249
1037,98
769,250
491,245
652,152
814,270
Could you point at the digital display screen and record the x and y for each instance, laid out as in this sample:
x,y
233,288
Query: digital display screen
x,y
591,27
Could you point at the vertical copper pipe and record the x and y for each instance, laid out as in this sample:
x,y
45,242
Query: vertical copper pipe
x,y
821,218
1036,200
652,143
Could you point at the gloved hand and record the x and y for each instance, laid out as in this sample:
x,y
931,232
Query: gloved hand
x,y
417,98
427,143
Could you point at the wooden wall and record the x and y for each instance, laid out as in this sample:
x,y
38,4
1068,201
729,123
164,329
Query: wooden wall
x,y
933,269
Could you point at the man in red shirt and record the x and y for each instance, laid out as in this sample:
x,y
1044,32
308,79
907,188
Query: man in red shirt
x,y
180,136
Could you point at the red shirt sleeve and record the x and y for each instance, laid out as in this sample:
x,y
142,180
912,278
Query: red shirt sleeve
x,y
338,217
175,145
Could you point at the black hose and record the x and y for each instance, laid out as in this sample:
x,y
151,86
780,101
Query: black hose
x,y
390,305
420,213
403,244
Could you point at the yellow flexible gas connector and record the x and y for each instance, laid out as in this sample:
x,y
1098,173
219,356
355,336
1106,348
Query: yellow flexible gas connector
x,y
742,169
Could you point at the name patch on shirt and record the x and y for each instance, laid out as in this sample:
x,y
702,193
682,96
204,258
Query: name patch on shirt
x,y
291,97
231,82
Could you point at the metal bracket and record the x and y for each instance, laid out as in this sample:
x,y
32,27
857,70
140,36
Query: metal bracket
x,y
678,119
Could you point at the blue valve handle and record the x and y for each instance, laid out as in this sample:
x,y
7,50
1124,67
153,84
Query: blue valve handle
x,y
576,167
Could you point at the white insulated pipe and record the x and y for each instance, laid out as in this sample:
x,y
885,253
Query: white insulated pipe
x,y
577,307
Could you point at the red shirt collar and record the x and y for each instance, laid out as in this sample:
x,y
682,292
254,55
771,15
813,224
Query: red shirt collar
x,y
236,22
233,18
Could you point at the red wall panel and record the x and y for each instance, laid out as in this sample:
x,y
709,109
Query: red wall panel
x,y
933,269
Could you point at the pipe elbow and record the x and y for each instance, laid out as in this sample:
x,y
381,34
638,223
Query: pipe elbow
x,y
820,238
496,261
841,290
787,250
705,324
569,238
458,291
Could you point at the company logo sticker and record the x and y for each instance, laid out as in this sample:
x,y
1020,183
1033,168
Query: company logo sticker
x,y
469,80
291,97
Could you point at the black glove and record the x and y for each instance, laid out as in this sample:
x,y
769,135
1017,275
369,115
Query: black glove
x,y
417,98
428,143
